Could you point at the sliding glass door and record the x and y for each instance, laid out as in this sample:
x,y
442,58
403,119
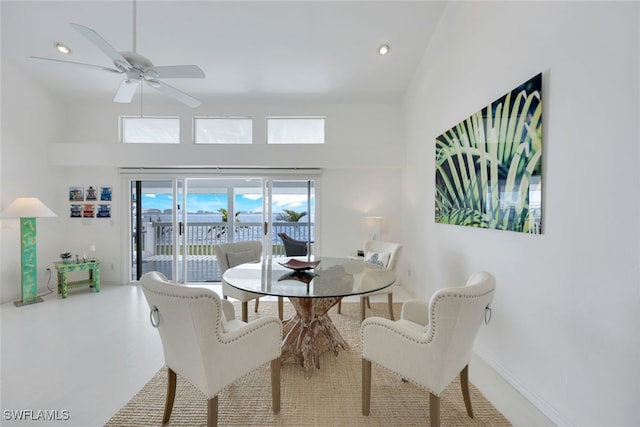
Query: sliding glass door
x,y
176,222
218,210
291,205
156,225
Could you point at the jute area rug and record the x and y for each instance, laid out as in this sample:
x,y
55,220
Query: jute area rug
x,y
329,396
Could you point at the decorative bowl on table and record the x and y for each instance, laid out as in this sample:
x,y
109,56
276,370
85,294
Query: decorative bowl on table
x,y
298,265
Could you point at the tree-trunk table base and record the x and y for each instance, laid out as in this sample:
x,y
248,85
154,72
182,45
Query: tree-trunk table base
x,y
311,332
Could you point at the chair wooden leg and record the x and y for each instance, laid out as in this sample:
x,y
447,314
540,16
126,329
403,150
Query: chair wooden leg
x,y
212,412
390,302
340,306
275,385
280,308
464,384
171,395
245,311
366,387
434,410
257,303
363,308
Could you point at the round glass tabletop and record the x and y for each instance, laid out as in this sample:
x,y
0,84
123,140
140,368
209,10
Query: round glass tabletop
x,y
332,277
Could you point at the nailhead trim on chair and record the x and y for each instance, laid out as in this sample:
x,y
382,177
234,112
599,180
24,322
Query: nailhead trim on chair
x,y
432,320
218,326
372,321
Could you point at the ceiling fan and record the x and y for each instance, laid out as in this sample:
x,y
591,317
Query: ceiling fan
x,y
137,68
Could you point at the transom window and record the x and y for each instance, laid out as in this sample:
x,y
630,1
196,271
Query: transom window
x,y
222,130
150,130
295,130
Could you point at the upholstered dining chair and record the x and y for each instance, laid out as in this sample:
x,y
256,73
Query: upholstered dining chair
x,y
384,254
232,254
432,343
204,343
293,247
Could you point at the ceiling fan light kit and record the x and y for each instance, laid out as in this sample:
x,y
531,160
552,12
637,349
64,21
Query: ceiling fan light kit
x,y
62,48
384,49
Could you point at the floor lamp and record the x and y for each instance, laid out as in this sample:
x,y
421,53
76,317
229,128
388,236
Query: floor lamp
x,y
28,209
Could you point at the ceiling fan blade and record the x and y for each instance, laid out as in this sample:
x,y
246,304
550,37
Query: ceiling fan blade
x,y
95,38
126,91
174,93
175,72
113,70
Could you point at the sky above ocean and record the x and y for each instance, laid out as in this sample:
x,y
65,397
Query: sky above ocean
x,y
213,202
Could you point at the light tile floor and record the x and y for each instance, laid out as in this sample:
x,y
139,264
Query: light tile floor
x,y
87,355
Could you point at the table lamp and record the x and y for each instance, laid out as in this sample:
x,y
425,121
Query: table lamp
x,y
28,209
375,223
92,253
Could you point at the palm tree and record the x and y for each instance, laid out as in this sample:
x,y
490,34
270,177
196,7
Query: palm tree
x,y
289,215
225,214
220,230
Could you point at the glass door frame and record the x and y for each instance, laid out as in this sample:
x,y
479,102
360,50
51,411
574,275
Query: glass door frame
x,y
178,190
127,176
268,209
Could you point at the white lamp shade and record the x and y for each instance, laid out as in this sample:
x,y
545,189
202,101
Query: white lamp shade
x,y
374,220
27,207
377,224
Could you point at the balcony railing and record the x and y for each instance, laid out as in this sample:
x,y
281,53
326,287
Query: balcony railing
x,y
200,237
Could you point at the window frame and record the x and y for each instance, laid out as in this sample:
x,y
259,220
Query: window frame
x,y
213,118
122,126
275,118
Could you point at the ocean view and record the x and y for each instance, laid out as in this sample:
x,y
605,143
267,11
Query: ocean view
x,y
210,217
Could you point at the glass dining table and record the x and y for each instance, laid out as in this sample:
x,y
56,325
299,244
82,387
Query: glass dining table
x,y
312,292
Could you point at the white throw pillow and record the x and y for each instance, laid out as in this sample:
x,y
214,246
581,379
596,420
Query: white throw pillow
x,y
240,257
377,258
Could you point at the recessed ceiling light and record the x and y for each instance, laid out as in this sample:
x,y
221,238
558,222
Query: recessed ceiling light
x,y
384,49
62,48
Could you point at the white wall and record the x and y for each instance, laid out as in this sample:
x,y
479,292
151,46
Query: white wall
x,y
358,135
361,164
30,119
350,195
565,316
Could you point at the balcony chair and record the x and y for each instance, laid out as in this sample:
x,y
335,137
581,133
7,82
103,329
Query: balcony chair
x,y
293,247
236,253
204,343
431,343
386,255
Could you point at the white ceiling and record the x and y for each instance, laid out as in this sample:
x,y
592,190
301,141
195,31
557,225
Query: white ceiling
x,y
250,51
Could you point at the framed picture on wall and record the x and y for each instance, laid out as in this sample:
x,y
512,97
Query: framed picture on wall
x,y
104,210
88,210
489,166
76,194
76,210
105,194
91,194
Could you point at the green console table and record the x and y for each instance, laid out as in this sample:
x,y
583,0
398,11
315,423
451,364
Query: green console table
x,y
93,267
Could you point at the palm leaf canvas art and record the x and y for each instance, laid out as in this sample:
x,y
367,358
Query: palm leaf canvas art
x,y
489,166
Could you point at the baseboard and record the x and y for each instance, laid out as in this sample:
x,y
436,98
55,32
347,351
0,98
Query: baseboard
x,y
516,402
